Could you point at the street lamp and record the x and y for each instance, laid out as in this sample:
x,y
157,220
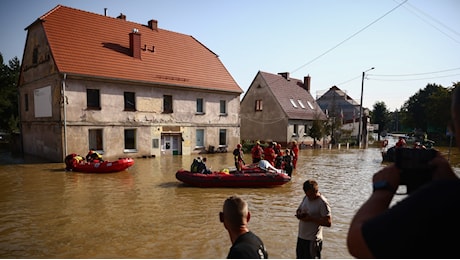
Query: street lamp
x,y
361,108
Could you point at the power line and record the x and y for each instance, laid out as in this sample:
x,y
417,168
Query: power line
x,y
414,79
353,35
413,74
435,20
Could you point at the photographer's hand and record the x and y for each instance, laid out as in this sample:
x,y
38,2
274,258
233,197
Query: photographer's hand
x,y
390,174
442,168
378,202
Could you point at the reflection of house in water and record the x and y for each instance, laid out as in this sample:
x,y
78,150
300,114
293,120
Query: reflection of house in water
x,y
122,88
278,108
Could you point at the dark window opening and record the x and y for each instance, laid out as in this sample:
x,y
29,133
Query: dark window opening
x,y
130,101
93,99
95,139
199,105
26,102
35,56
167,104
130,139
223,107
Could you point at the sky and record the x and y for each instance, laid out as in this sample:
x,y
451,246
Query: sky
x,y
409,43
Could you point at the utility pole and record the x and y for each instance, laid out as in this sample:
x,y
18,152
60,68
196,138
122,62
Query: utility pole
x,y
361,108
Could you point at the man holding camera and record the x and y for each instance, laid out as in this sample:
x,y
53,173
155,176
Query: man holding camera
x,y
422,225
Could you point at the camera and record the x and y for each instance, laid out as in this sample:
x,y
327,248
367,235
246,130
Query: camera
x,y
413,163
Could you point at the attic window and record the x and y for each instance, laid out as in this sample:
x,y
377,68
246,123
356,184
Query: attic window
x,y
259,105
310,105
35,56
301,104
293,102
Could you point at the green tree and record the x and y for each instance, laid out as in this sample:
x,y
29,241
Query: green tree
x,y
420,110
9,115
380,116
428,111
317,130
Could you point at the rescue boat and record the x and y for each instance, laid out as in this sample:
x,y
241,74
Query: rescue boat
x,y
247,178
74,164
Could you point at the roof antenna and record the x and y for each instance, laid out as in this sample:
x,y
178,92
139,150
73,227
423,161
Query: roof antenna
x,y
105,11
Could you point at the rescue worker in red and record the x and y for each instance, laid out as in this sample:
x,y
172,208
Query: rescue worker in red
x,y
257,153
295,153
401,142
269,153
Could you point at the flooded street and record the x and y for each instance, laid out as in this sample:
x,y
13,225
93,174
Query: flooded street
x,y
144,212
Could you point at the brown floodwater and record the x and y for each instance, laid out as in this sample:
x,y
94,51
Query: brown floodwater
x,y
144,212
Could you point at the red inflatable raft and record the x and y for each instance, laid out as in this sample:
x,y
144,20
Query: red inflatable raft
x,y
256,178
73,164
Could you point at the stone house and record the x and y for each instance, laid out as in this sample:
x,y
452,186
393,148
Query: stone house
x,y
339,106
123,88
279,108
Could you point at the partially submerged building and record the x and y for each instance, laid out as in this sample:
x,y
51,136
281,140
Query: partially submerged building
x,y
122,88
279,108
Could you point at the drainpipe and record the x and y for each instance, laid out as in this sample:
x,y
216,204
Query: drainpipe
x,y
65,114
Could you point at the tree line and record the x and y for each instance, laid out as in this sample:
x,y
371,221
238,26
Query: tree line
x,y
426,111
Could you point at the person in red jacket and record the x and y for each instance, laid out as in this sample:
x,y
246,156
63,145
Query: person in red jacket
x,y
257,152
269,153
295,153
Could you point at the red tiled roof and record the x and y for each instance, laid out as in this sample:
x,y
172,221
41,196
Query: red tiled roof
x,y
90,44
284,90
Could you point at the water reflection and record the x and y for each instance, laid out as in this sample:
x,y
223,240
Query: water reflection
x,y
145,212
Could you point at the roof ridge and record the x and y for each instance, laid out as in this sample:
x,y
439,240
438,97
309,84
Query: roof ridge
x,y
50,11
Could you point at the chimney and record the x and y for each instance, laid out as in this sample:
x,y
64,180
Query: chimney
x,y
284,75
153,24
135,43
306,83
122,17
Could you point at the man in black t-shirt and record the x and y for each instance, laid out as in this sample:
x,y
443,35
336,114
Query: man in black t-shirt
x,y
245,244
421,225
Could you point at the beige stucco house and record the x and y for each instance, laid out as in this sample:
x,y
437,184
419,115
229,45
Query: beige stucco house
x,y
279,108
122,88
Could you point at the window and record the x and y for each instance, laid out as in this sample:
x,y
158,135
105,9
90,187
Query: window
x,y
35,56
293,102
222,137
223,107
130,140
305,132
300,103
167,104
93,99
26,102
310,105
259,105
296,130
130,101
200,138
199,106
95,139
155,143
43,98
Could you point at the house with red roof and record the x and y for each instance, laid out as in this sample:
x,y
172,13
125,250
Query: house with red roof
x,y
90,81
279,108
